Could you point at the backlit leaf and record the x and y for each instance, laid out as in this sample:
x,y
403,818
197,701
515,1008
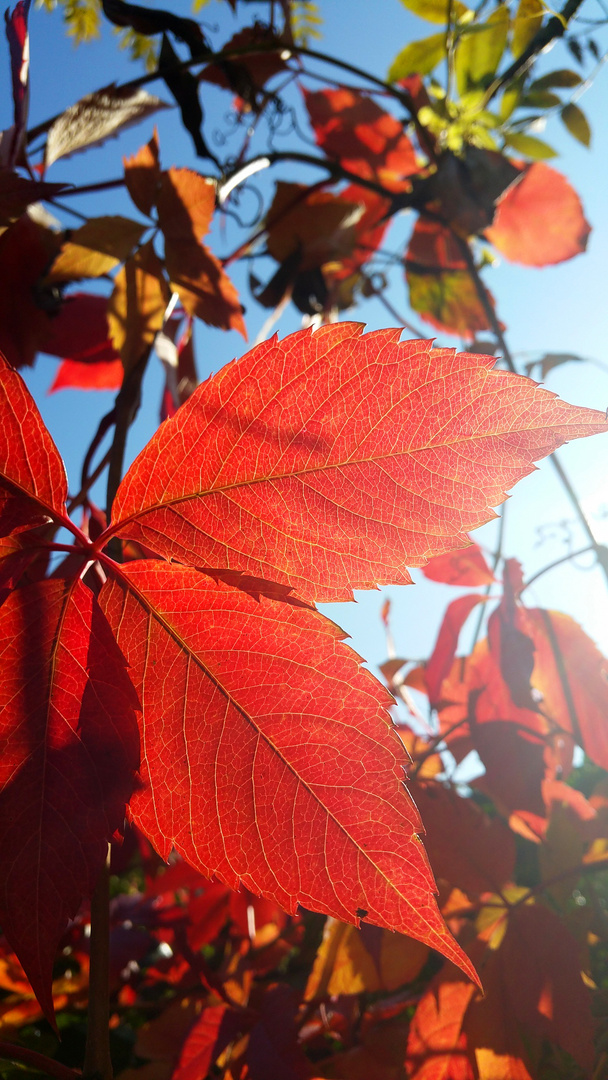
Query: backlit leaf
x,y
436,10
441,659
186,203
142,175
480,48
96,117
265,697
76,375
418,58
79,331
137,306
17,193
352,128
530,145
576,122
33,484
528,20
446,299
320,461
96,248
558,79
466,567
353,961
436,1047
540,220
70,749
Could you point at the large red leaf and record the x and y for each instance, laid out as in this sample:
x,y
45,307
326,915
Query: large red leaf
x,y
332,460
69,751
352,128
540,220
268,758
33,484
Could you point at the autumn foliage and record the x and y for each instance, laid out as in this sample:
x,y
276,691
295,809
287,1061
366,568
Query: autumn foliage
x,y
299,888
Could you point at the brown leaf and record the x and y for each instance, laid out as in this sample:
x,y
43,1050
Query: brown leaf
x,y
142,175
185,207
97,117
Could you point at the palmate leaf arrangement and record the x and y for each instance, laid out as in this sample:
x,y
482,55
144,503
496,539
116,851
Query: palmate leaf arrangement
x,y
201,686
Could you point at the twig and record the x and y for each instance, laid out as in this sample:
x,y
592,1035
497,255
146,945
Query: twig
x,y
97,1060
558,562
11,1052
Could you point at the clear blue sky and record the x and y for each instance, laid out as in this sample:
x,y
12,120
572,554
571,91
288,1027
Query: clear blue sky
x,y
560,309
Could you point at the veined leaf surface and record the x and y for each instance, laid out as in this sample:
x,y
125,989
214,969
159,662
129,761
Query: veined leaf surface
x,y
333,460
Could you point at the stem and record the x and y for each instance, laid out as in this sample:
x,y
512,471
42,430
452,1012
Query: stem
x,y
379,294
558,562
97,1060
495,562
11,1052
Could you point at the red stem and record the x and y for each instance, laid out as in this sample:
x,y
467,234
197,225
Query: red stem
x,y
12,1052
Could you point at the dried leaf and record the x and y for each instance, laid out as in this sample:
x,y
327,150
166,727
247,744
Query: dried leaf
x,y
97,117
142,175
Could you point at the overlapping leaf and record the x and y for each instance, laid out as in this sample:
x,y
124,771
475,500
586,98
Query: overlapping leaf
x,y
70,749
260,698
320,462
540,221
351,128
466,567
33,484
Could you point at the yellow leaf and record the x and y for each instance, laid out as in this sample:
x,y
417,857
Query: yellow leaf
x,y
137,305
96,248
351,961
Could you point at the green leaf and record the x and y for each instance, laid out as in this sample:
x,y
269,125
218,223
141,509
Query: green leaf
x,y
528,19
510,99
480,48
419,57
529,145
541,99
561,78
577,123
437,10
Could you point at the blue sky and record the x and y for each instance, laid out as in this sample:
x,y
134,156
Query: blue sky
x,y
559,309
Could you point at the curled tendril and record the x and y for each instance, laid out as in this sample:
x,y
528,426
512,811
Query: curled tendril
x,y
236,198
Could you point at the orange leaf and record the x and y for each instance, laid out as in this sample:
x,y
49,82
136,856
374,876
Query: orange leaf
x,y
142,175
353,961
540,221
283,455
186,203
351,128
137,306
75,375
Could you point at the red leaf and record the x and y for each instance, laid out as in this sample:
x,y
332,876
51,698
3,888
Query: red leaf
x,y
80,331
26,252
433,245
436,1047
33,484
444,652
320,461
209,1036
352,128
70,748
540,221
466,567
264,698
75,375
466,848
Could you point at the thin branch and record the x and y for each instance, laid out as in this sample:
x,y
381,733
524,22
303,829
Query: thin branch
x,y
555,28
97,1060
11,1052
558,562
379,294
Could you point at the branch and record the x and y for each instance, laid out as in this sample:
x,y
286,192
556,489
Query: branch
x,y
11,1052
97,1060
555,28
558,562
